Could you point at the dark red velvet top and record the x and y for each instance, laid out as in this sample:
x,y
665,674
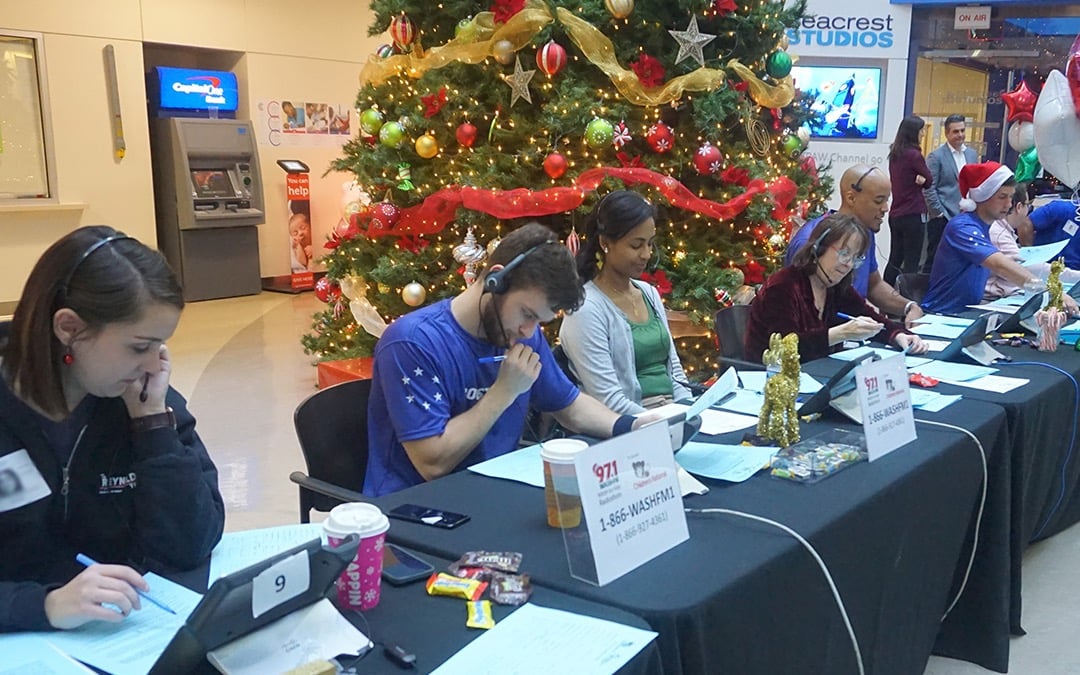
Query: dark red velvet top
x,y
786,305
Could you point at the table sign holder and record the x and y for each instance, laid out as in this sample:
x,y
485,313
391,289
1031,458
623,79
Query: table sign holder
x,y
885,399
630,503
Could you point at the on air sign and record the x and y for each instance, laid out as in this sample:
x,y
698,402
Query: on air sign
x,y
972,18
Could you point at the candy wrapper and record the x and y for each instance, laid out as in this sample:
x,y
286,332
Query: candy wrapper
x,y
479,614
510,589
441,583
502,562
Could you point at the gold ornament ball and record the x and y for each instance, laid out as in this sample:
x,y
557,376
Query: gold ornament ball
x,y
620,9
414,294
426,146
503,51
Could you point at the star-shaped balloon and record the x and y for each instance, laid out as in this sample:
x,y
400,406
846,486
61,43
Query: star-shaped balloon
x,y
691,41
519,83
1021,103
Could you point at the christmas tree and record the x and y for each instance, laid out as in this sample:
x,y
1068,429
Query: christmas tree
x,y
481,116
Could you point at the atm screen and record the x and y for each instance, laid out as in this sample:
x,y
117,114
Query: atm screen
x,y
212,184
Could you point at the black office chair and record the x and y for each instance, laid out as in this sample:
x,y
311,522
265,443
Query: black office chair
x,y
913,285
564,363
332,428
730,326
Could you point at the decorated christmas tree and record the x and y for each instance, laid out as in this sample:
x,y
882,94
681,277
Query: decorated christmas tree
x,y
481,116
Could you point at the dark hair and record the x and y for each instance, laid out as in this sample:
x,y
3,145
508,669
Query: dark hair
x,y
104,283
955,118
550,267
830,230
1020,195
907,135
613,216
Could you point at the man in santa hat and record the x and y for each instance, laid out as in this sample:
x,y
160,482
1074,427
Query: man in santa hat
x,y
966,257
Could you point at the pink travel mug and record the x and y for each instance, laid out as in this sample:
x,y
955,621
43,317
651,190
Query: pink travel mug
x,y
359,586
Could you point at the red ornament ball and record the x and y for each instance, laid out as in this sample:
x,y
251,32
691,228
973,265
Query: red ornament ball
x,y
384,216
551,58
660,137
555,165
402,30
327,290
708,160
466,135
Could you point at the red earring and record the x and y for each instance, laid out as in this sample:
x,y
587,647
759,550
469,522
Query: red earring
x,y
68,358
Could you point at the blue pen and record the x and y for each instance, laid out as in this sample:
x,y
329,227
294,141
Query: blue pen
x,y
87,561
845,317
491,359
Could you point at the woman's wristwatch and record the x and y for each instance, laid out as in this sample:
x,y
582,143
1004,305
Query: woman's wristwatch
x,y
155,421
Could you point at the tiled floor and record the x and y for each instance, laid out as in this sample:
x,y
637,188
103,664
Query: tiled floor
x,y
240,364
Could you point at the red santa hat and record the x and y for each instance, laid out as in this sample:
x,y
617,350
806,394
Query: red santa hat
x,y
980,182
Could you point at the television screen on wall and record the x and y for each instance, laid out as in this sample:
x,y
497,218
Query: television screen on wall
x,y
188,89
846,99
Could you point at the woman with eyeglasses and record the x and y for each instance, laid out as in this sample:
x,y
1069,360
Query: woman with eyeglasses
x,y
813,297
909,176
1008,234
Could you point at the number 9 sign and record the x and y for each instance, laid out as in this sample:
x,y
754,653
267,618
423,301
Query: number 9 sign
x,y
280,583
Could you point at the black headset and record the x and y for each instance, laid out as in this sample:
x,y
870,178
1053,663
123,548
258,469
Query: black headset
x,y
497,280
820,241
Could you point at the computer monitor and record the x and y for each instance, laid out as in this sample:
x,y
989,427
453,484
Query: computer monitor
x,y
841,382
225,612
1023,318
972,336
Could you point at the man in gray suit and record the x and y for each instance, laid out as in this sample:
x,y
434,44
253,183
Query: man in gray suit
x,y
943,195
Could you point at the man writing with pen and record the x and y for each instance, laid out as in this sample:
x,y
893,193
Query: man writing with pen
x,y
813,297
453,382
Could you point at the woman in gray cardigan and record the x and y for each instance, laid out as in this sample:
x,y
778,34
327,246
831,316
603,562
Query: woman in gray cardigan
x,y
619,344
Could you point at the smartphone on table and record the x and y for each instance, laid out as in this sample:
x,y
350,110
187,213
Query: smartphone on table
x,y
400,567
425,515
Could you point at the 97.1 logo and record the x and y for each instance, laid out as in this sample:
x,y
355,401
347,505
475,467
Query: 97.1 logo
x,y
605,473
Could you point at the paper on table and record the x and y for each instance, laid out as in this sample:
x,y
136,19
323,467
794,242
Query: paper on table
x,y
882,353
946,320
688,485
237,550
995,383
31,654
133,645
1033,255
754,380
564,642
936,345
959,372
714,422
724,385
315,632
733,463
522,465
745,402
940,403
938,330
1007,305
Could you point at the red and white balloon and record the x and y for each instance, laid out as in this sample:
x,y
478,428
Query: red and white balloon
x,y
551,58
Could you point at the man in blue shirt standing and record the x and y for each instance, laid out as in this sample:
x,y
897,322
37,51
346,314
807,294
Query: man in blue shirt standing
x,y
966,256
865,195
1057,220
452,382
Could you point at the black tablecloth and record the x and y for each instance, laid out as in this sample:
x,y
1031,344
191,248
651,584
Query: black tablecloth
x,y
433,628
742,597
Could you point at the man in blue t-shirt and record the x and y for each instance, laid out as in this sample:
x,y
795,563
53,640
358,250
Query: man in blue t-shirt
x,y
1055,221
966,256
452,382
865,195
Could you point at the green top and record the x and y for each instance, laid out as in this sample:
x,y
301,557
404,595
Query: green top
x,y
651,349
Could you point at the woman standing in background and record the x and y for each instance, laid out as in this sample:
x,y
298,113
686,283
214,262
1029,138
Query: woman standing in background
x,y
907,217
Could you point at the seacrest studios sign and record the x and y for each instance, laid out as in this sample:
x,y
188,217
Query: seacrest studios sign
x,y
837,28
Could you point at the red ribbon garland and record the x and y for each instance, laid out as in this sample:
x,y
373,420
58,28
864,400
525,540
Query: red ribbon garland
x,y
439,208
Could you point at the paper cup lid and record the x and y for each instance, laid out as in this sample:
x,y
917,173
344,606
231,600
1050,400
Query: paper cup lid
x,y
356,517
562,449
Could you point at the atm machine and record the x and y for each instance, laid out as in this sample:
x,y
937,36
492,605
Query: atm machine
x,y
208,197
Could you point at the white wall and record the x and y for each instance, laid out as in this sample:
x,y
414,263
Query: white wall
x,y
280,47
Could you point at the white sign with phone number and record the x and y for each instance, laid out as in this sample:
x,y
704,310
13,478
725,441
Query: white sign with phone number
x,y
630,500
885,399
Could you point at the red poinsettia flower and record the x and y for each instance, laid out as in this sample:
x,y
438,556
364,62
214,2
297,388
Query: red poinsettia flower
x,y
412,243
736,175
629,162
433,103
777,118
739,86
659,280
724,7
504,9
331,243
753,272
649,70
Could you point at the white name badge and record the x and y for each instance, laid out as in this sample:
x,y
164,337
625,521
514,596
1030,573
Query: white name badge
x,y
885,399
1070,228
280,583
631,501
20,481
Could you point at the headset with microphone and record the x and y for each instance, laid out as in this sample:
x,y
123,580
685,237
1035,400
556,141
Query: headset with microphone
x,y
818,244
497,280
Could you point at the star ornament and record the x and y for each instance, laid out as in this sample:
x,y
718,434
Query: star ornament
x,y
519,83
1021,103
690,42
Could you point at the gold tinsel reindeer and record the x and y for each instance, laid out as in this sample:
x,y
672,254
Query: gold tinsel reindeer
x,y
779,419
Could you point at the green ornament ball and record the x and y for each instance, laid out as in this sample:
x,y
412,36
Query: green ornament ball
x,y
599,133
792,145
371,120
778,64
392,134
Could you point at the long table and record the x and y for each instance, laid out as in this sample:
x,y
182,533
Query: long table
x,y
742,597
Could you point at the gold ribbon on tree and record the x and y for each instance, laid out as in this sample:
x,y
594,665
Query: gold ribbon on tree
x,y
765,95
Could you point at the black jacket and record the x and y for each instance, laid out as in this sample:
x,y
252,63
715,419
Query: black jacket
x,y
149,500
